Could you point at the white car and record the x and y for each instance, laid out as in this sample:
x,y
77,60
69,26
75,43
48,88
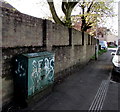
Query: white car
x,y
103,44
116,65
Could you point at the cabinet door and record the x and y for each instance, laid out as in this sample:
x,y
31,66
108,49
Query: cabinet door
x,y
35,66
48,71
20,77
40,73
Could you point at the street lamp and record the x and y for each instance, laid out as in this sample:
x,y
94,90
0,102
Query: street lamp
x,y
96,44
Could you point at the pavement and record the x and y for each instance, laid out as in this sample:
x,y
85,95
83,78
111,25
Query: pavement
x,y
88,89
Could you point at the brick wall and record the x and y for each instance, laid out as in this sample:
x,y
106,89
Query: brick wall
x,y
25,34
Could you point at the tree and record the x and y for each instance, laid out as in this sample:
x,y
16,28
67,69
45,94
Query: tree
x,y
67,7
90,12
93,12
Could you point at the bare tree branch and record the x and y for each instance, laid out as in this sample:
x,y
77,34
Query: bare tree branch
x,y
89,8
53,11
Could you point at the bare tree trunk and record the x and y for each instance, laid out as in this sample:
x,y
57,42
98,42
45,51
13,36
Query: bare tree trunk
x,y
83,19
67,8
53,12
68,16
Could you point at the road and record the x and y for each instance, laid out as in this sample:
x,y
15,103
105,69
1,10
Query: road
x,y
88,89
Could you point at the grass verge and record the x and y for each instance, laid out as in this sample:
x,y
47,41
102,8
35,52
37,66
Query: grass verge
x,y
112,47
100,52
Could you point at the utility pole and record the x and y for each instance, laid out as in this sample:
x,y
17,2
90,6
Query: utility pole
x,y
96,45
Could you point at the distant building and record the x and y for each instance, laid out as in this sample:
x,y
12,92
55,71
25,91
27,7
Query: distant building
x,y
6,5
101,33
104,34
77,23
111,38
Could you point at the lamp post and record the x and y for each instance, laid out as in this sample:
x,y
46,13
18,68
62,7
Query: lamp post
x,y
96,44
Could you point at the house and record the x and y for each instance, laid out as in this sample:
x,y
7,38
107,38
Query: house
x,y
101,33
6,5
111,38
104,34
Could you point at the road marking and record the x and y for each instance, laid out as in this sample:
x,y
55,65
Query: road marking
x,y
99,98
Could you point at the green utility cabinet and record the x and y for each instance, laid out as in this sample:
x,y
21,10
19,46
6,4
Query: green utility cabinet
x,y
33,73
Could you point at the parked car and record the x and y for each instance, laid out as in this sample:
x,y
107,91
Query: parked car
x,y
116,65
103,44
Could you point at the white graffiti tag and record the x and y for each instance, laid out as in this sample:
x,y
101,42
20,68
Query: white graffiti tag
x,y
42,71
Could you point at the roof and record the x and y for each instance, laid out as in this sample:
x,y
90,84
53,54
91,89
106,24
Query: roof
x,y
4,4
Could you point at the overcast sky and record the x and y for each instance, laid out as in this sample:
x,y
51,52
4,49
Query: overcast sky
x,y
40,8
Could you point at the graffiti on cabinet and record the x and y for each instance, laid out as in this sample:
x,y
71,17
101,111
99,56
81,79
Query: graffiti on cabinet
x,y
42,73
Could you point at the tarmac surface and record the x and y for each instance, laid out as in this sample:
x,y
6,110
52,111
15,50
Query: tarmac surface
x,y
88,89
